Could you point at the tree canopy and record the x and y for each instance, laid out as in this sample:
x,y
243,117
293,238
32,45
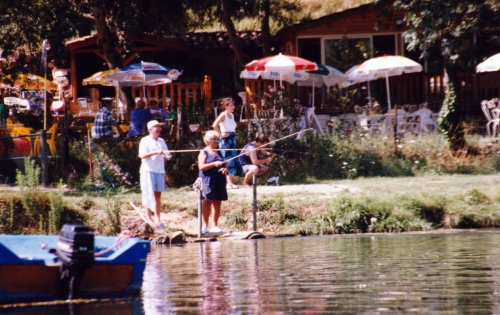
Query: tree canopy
x,y
461,32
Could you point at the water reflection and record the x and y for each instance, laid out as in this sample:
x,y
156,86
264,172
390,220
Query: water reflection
x,y
383,274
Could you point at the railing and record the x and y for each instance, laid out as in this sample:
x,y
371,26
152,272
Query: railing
x,y
174,93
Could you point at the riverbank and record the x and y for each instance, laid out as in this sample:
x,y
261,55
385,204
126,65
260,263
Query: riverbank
x,y
362,205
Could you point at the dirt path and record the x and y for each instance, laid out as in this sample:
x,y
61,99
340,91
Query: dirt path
x,y
313,188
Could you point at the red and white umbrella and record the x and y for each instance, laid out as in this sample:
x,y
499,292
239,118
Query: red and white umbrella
x,y
281,63
280,66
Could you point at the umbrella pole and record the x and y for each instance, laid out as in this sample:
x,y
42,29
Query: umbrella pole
x,y
388,92
369,97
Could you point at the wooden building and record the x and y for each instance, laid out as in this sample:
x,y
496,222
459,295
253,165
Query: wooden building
x,y
210,69
383,33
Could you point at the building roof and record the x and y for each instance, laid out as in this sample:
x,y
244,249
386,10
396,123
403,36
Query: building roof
x,y
325,20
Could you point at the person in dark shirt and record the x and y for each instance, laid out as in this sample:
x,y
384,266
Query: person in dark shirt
x,y
139,117
251,161
104,121
212,171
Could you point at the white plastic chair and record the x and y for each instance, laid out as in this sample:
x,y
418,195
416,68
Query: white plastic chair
x,y
11,101
424,122
84,107
24,105
492,120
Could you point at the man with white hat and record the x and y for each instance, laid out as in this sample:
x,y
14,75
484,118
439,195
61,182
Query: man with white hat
x,y
153,151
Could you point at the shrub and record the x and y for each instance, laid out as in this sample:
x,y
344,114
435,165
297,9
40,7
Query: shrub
x,y
33,199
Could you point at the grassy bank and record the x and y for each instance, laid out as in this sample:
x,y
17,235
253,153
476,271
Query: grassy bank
x,y
361,205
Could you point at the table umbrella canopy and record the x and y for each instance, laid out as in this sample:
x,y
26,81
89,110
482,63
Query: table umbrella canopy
x,y
384,67
275,75
490,64
33,82
283,63
143,73
99,78
324,75
353,76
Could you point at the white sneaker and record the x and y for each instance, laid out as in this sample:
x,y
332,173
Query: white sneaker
x,y
215,229
204,230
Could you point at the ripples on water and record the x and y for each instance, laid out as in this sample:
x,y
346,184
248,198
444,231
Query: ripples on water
x,y
383,274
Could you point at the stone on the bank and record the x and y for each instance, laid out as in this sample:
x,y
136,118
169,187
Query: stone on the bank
x,y
160,240
178,238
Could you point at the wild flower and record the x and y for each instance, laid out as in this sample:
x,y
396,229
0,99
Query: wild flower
x,y
114,171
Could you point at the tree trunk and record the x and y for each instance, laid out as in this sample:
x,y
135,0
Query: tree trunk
x,y
233,36
449,119
107,40
265,29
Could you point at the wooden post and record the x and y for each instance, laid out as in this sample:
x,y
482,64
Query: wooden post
x,y
179,122
90,153
254,212
200,212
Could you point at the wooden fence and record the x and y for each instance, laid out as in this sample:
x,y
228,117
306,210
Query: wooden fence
x,y
179,93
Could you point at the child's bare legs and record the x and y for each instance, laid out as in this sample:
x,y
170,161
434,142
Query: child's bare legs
x,y
254,170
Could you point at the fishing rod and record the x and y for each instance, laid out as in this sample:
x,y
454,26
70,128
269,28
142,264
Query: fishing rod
x,y
261,146
198,150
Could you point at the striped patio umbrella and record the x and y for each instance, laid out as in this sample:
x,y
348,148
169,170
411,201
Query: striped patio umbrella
x,y
33,82
99,78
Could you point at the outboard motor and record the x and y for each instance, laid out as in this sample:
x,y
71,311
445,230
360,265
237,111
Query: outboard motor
x,y
75,250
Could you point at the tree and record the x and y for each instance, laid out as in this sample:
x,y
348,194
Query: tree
x,y
451,27
27,23
115,19
279,12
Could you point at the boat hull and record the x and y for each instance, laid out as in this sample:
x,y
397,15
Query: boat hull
x,y
28,272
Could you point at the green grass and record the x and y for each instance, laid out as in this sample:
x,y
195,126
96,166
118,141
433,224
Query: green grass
x,y
423,186
402,204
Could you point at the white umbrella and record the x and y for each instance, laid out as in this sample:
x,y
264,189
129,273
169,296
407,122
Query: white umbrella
x,y
354,77
490,64
384,67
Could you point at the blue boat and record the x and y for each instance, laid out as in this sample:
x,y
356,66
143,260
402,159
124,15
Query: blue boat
x,y
31,268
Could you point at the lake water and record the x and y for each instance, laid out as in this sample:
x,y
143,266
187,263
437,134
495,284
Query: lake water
x,y
452,273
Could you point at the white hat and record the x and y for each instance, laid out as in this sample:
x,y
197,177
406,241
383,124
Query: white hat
x,y
153,123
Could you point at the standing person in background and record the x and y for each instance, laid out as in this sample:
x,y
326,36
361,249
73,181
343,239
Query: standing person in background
x,y
153,151
139,117
4,113
212,172
225,125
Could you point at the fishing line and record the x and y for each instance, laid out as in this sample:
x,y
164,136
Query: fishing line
x,y
319,154
198,150
261,146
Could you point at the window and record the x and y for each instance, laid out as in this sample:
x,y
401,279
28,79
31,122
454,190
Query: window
x,y
343,53
384,45
310,49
